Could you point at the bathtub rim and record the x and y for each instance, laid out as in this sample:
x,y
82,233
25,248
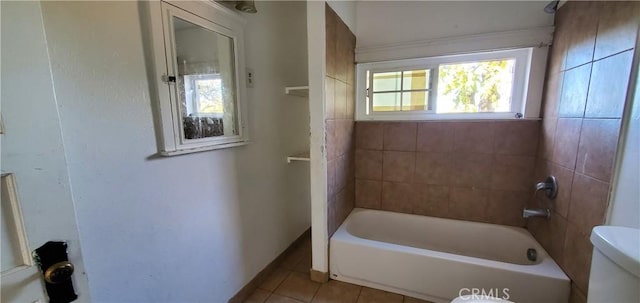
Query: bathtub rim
x,y
547,267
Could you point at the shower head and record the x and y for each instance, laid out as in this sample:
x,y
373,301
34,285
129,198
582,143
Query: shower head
x,y
246,6
552,7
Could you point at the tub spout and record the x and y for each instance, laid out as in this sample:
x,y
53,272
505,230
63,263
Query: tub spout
x,y
528,213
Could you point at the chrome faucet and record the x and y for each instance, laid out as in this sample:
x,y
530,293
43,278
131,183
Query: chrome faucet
x,y
528,213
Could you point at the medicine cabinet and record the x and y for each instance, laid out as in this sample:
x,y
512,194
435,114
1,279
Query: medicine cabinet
x,y
199,60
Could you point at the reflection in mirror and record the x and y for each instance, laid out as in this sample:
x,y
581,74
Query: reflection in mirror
x,y
205,81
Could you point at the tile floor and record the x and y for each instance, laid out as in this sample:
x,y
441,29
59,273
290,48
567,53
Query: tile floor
x,y
290,283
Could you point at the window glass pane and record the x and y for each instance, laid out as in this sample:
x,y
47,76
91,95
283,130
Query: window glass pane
x,y
205,81
415,101
416,79
475,87
385,102
204,94
386,81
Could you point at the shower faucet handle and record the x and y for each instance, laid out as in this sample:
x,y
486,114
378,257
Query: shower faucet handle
x,y
550,187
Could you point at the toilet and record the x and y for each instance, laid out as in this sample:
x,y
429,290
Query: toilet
x,y
615,265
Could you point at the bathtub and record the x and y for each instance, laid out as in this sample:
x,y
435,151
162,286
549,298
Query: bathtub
x,y
439,259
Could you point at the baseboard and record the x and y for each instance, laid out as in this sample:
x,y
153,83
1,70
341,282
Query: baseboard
x,y
253,284
318,276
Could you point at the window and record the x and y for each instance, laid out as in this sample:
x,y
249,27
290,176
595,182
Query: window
x,y
203,94
490,85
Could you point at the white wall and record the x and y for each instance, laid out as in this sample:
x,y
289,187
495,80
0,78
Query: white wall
x,y
188,228
317,103
388,22
32,147
625,199
346,10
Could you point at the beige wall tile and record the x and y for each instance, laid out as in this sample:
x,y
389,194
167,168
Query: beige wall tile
x,y
474,137
332,217
617,27
577,257
331,39
435,137
331,136
517,138
369,135
398,166
589,200
340,100
573,97
434,201
368,164
351,102
368,194
608,86
558,49
468,203
344,132
332,166
565,147
472,170
547,138
598,143
400,197
342,174
582,23
330,92
434,168
557,233
344,50
552,92
400,136
340,127
512,173
505,207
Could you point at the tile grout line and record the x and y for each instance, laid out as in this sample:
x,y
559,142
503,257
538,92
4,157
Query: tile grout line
x,y
316,292
280,283
359,293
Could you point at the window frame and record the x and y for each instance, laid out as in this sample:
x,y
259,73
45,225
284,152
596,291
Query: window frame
x,y
520,106
432,76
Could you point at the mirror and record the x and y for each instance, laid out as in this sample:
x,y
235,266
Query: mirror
x,y
198,60
205,81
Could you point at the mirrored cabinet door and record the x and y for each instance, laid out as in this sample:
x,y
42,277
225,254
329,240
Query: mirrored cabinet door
x,y
205,81
201,93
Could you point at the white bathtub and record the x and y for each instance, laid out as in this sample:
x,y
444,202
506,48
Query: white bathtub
x,y
438,259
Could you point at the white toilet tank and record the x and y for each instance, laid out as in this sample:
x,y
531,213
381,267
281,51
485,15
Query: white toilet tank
x,y
615,265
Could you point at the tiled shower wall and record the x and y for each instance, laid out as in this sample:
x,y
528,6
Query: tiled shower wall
x,y
586,86
340,104
476,171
